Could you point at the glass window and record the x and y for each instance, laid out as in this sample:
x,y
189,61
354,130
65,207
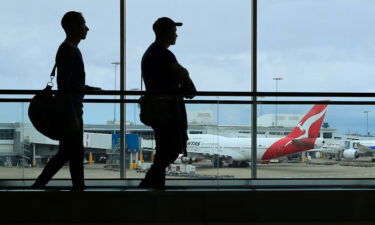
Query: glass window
x,y
320,46
344,149
213,43
33,33
303,46
327,135
195,132
6,134
14,140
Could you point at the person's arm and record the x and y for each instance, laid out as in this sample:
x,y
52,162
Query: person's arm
x,y
90,88
66,67
65,71
187,86
180,73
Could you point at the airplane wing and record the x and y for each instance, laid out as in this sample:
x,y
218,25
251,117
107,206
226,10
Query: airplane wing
x,y
198,155
366,148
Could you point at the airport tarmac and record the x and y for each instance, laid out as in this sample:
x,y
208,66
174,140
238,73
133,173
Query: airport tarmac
x,y
316,169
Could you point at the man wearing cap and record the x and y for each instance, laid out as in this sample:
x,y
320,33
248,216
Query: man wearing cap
x,y
163,74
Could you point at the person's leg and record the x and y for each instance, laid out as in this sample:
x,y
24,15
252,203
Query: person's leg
x,y
167,151
76,161
155,176
53,165
76,166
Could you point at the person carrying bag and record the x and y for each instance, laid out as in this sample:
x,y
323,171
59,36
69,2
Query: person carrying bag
x,y
69,103
163,107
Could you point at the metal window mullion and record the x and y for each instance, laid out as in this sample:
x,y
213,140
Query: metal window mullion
x,y
122,88
254,89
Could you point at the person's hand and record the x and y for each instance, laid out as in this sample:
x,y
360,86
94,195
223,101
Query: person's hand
x,y
89,88
189,89
189,96
96,89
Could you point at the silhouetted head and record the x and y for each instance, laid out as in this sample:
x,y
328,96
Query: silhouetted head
x,y
165,30
74,25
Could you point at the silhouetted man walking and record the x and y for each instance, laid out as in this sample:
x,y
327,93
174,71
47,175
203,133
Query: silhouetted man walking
x,y
71,87
162,74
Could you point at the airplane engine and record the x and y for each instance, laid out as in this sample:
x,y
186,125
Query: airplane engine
x,y
350,154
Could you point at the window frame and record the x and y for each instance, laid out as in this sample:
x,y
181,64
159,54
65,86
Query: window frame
x,y
253,94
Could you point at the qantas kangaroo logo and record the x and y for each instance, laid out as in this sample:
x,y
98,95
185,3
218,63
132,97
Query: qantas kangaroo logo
x,y
302,137
304,129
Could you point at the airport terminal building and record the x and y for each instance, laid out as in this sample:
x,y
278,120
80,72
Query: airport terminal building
x,y
22,143
257,66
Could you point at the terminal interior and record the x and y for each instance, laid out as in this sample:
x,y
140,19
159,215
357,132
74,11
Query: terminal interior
x,y
281,130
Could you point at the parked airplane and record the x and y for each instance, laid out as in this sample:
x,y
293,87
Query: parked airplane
x,y
237,151
358,148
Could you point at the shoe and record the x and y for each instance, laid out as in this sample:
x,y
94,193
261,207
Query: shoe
x,y
146,184
38,185
78,188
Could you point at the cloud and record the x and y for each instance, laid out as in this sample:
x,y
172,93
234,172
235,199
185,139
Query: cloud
x,y
224,72
325,46
317,69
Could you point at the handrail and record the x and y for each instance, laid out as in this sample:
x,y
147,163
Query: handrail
x,y
235,102
209,93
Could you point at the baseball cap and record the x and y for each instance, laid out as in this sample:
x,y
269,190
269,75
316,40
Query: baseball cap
x,y
164,23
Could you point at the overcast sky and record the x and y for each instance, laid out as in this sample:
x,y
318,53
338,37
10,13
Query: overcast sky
x,y
314,45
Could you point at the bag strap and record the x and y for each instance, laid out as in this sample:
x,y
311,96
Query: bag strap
x,y
141,83
53,74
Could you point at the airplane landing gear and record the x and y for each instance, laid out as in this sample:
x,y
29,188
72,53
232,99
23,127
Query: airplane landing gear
x,y
244,164
239,164
217,162
234,164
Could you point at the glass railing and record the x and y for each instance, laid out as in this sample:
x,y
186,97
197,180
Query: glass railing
x,y
327,140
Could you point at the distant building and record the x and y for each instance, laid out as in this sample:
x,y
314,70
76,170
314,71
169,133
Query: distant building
x,y
283,120
205,117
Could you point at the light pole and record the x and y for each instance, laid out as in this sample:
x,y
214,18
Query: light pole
x,y
366,121
114,104
134,89
276,79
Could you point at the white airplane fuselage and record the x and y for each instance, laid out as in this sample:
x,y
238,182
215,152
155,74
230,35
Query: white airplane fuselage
x,y
304,136
237,149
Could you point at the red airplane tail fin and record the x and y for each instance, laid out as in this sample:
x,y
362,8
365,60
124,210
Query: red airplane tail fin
x,y
310,124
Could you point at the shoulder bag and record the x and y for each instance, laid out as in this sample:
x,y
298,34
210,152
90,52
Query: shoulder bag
x,y
43,111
